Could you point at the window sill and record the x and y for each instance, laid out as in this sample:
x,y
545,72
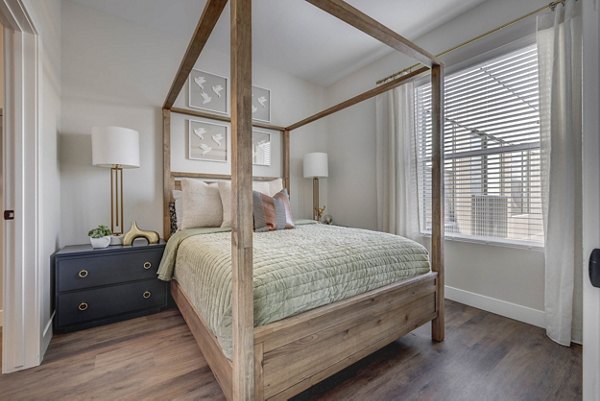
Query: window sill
x,y
529,245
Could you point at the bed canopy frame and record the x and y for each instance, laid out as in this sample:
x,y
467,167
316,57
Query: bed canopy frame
x,y
353,328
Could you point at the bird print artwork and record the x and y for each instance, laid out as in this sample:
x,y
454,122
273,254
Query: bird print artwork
x,y
217,89
254,109
200,132
218,138
262,101
205,98
205,148
200,81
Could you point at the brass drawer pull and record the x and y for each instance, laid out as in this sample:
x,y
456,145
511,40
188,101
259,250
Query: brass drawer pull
x,y
147,265
82,306
83,273
147,294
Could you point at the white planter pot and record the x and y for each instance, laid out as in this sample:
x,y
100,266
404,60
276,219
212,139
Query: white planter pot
x,y
102,242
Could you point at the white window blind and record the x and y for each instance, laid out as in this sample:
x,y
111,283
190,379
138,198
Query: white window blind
x,y
492,150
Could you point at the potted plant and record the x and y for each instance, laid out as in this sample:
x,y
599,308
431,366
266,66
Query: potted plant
x,y
100,236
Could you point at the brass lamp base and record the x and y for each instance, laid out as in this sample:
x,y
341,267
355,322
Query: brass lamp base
x,y
116,199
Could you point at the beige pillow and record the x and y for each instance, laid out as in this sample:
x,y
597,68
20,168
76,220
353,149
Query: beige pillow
x,y
266,187
201,203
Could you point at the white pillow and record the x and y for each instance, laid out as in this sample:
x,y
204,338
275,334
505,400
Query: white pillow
x,y
177,197
266,187
201,203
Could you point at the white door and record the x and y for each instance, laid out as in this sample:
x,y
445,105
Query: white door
x,y
591,198
21,334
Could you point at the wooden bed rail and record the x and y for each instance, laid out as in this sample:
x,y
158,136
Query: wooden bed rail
x,y
359,98
206,24
371,27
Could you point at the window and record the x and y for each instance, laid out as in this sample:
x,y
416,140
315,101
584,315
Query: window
x,y
492,150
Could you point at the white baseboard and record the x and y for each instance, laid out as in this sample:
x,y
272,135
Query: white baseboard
x,y
503,308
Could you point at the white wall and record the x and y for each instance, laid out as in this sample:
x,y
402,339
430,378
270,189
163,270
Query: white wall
x,y
46,17
506,275
117,73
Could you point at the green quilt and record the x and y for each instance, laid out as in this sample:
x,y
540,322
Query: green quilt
x,y
294,270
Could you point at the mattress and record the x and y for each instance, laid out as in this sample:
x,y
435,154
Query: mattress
x,y
294,270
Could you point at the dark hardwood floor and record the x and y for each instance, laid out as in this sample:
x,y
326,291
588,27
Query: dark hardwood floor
x,y
485,357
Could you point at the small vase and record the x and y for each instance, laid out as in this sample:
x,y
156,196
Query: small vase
x,y
101,242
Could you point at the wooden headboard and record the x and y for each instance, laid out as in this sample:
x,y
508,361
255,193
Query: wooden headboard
x,y
172,179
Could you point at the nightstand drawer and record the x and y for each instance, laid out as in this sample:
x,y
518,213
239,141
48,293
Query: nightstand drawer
x,y
94,270
87,305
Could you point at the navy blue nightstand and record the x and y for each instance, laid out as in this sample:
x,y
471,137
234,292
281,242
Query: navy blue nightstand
x,y
99,286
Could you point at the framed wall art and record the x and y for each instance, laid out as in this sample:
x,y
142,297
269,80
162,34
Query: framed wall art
x,y
261,104
261,148
208,141
208,92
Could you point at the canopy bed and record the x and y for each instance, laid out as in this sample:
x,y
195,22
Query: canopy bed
x,y
283,357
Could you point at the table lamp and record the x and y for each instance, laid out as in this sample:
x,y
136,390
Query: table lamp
x,y
315,167
116,148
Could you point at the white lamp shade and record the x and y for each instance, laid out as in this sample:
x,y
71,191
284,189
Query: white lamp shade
x,y
115,146
315,165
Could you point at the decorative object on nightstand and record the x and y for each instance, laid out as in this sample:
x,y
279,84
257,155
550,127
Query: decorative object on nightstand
x,y
100,236
136,232
99,286
116,148
315,167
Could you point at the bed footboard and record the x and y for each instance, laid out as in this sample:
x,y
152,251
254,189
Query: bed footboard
x,y
296,353
293,354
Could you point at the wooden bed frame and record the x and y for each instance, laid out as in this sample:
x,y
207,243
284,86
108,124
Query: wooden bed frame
x,y
281,359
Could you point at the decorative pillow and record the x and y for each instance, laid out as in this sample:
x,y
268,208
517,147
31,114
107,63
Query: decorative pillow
x,y
266,187
201,203
272,213
178,207
173,217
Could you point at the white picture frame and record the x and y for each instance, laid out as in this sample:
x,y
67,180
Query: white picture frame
x,y
262,147
208,141
208,91
261,104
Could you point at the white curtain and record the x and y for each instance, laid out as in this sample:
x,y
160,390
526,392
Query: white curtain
x,y
397,205
559,50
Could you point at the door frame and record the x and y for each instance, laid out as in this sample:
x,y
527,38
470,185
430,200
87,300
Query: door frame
x,y
22,340
591,197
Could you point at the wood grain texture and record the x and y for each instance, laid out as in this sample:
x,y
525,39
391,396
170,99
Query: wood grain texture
x,y
177,175
167,180
218,117
294,353
366,24
242,299
437,191
358,98
286,152
208,20
484,357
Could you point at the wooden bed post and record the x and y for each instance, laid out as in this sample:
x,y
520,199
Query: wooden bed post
x,y
241,205
286,159
437,199
167,184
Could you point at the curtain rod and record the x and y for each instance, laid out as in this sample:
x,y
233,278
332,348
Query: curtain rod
x,y
550,6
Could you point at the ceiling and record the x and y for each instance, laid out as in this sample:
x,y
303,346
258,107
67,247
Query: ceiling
x,y
293,35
